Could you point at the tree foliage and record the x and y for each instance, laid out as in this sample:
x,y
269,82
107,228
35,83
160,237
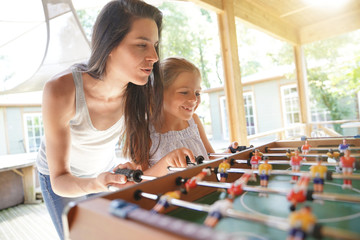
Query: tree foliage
x,y
188,34
333,75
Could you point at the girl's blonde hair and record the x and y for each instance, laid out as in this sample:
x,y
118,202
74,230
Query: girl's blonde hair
x,y
172,67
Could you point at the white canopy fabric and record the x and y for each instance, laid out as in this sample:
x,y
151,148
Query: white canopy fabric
x,y
38,39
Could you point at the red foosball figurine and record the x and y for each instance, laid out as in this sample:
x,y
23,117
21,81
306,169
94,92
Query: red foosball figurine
x,y
237,187
302,223
254,161
192,182
163,202
217,210
305,149
347,163
295,163
264,172
223,168
298,193
318,173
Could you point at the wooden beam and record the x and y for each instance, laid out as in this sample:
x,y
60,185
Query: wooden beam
x,y
233,85
302,86
213,5
266,22
330,27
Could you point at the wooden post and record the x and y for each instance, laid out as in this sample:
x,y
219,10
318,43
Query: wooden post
x,y
302,87
233,85
29,184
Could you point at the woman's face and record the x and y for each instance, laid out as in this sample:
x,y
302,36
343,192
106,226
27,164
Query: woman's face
x,y
182,97
133,59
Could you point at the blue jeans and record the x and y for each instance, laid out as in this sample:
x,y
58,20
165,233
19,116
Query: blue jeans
x,y
55,203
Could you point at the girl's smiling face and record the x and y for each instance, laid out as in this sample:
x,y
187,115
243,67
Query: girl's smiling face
x,y
182,97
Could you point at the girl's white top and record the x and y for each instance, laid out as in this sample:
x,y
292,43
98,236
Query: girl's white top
x,y
92,151
164,143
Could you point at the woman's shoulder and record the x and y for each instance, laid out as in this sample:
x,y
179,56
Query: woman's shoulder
x,y
61,84
59,93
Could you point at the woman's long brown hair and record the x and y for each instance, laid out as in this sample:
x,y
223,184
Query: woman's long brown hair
x,y
140,106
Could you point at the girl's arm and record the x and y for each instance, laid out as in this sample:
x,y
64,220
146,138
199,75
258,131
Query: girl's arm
x,y
203,136
58,108
176,158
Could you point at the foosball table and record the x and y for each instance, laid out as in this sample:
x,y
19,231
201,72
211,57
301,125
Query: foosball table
x,y
177,205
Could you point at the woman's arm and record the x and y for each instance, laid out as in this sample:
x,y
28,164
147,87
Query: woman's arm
x,y
58,108
203,136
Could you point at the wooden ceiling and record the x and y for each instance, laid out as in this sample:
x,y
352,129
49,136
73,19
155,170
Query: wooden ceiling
x,y
296,21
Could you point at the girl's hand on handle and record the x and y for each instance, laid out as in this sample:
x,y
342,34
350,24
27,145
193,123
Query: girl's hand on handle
x,y
177,158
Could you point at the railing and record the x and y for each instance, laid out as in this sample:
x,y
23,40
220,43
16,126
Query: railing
x,y
310,129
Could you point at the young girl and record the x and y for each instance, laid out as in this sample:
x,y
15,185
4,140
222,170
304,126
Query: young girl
x,y
180,127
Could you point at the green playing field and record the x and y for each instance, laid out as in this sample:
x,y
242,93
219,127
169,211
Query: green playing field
x,y
334,214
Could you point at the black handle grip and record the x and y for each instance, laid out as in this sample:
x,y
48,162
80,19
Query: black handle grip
x,y
199,160
132,175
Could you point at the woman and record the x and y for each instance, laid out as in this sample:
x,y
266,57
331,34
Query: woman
x,y
87,108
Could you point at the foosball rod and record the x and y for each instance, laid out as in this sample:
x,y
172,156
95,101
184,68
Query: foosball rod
x,y
311,149
303,138
269,221
314,196
227,155
302,155
330,175
280,162
275,222
123,209
286,162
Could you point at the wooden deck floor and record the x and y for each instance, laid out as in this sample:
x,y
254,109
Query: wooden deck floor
x,y
27,222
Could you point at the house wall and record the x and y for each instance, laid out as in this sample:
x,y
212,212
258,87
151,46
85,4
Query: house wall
x,y
267,101
12,134
215,111
3,142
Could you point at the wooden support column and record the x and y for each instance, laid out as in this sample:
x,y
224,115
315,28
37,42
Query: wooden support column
x,y
302,87
233,85
29,184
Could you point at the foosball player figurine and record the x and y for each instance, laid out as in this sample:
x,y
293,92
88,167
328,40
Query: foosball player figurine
x,y
264,172
347,163
305,149
217,210
343,146
223,168
289,154
298,193
192,182
332,156
295,163
302,223
237,187
163,202
255,159
318,173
